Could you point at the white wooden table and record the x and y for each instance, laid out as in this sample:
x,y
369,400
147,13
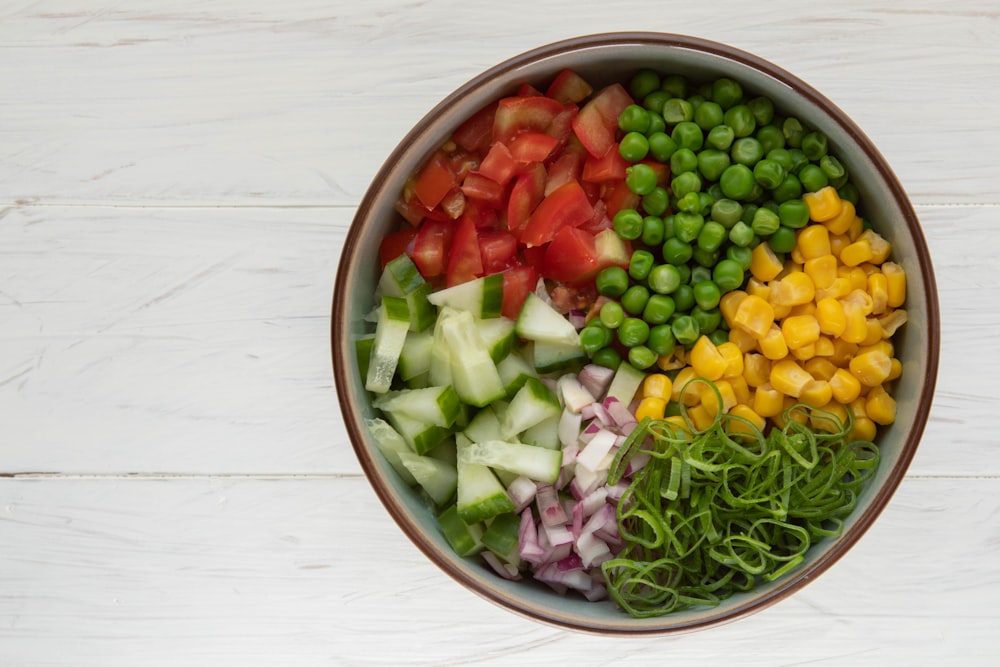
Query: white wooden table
x,y
176,178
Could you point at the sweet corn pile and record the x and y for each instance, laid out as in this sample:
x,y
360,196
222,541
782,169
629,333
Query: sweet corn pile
x,y
816,329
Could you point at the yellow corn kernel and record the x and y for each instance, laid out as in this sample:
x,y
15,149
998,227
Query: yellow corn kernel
x,y
706,360
878,289
768,401
824,347
882,345
843,352
824,204
864,429
796,255
792,290
895,284
837,244
672,361
758,288
781,312
813,241
896,370
681,380
869,268
890,322
840,223
729,303
808,308
764,264
854,231
805,352
657,385
821,270
799,415
754,315
800,330
881,248
711,401
872,368
701,417
830,316
821,422
789,266
855,323
678,425
788,377
734,359
862,299
820,368
845,387
880,406
752,420
816,393
858,280
652,407
856,253
773,345
756,368
744,340
838,289
874,332
740,389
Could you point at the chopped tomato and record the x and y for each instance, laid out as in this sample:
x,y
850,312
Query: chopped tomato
x,y
563,169
517,114
528,191
662,172
609,167
530,146
498,164
411,210
527,90
498,250
397,243
568,86
483,214
431,245
475,134
567,206
464,260
561,126
435,180
618,196
597,123
453,203
518,282
478,187
571,257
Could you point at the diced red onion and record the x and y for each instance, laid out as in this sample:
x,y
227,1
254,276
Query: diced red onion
x,y
616,491
521,491
569,427
586,434
574,395
557,535
600,519
596,450
593,501
505,570
578,319
596,378
592,550
550,510
618,411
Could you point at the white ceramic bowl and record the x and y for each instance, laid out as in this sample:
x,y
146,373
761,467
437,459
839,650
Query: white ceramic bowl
x,y
602,59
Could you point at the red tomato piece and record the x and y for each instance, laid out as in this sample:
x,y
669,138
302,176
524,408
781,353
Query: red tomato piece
x,y
453,203
483,214
563,169
618,196
609,167
478,187
561,126
397,243
498,164
597,123
431,246
435,180
567,206
662,172
568,86
411,210
518,282
475,134
498,249
517,114
571,257
528,191
532,146
527,90
464,260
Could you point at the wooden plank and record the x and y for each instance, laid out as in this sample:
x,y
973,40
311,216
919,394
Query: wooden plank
x,y
308,571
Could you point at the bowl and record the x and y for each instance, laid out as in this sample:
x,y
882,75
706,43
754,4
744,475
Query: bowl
x,y
602,59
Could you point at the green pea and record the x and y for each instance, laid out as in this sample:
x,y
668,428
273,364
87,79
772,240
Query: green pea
x,y
765,222
684,298
634,118
849,192
741,119
641,357
644,82
594,337
677,110
728,275
771,138
633,331
634,146
640,178
664,279
749,211
656,124
762,109
689,203
684,271
675,84
699,274
706,294
742,255
714,190
708,319
711,236
640,264
655,100
686,330
726,92
719,336
708,115
832,167
706,258
741,234
627,224
793,213
746,150
814,145
612,314
782,240
656,202
687,134
790,189
612,281
768,173
779,155
608,357
793,131
799,159
661,146
676,252
689,181
813,178
652,230
683,160
721,137
634,299
687,226
712,162
661,339
737,182
726,212
668,227
659,309
706,199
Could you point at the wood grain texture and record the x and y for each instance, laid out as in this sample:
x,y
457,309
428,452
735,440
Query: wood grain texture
x,y
176,180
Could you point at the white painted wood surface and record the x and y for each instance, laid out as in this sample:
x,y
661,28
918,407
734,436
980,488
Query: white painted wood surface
x,y
176,179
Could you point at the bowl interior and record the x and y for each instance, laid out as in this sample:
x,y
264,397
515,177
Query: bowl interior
x,y
603,59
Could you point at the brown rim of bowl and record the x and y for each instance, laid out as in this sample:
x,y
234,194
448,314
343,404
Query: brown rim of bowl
x,y
863,522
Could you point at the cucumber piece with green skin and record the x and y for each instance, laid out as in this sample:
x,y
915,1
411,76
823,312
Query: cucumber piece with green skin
x,y
515,370
484,425
483,297
538,321
543,434
498,336
419,435
439,372
439,406
533,403
391,444
473,372
465,539
625,383
536,463
437,478
401,278
480,495
363,350
390,333
549,357
415,357
502,537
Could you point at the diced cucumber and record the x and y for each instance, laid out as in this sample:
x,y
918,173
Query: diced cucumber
x,y
445,451
464,538
473,373
390,334
549,357
539,321
533,403
363,350
625,383
536,463
437,478
440,361
391,444
415,357
484,425
481,496
514,370
401,278
419,435
497,334
543,434
502,537
422,313
483,297
434,405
